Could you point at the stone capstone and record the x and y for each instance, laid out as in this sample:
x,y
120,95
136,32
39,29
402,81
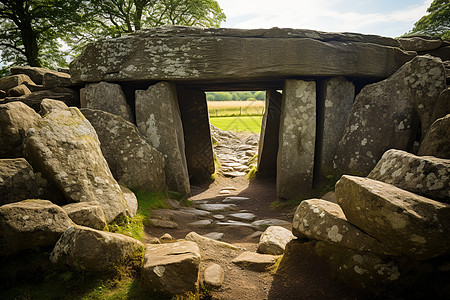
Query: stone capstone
x,y
188,53
18,181
15,119
437,140
274,240
132,161
376,123
89,214
30,223
408,224
108,97
295,161
93,250
158,119
325,221
64,147
171,268
427,176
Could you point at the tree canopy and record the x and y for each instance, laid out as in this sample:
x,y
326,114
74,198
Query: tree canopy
x,y
36,32
437,22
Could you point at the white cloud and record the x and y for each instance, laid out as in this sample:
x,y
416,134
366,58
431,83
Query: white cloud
x,y
319,15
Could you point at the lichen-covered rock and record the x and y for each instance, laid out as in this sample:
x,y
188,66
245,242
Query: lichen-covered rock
x,y
9,82
64,147
33,100
133,162
108,97
295,161
93,250
18,181
437,141
171,268
18,91
47,105
409,224
274,240
325,221
419,44
377,124
56,79
89,214
427,176
158,119
15,119
30,223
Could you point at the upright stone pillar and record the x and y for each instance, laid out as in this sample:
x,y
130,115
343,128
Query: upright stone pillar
x,y
158,118
197,133
295,162
335,99
108,97
268,141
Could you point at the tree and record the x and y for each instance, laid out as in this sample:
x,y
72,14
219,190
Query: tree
x,y
31,30
437,22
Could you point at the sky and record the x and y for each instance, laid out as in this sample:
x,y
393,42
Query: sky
x,y
390,18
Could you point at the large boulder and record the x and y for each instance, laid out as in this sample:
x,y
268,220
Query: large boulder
x,y
325,221
427,176
19,90
171,268
18,181
35,73
64,94
15,119
89,214
30,223
93,250
108,97
419,44
158,119
274,240
56,79
442,107
409,224
133,162
192,53
376,123
64,147
9,82
437,141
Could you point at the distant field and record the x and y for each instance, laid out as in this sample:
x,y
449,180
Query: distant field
x,y
235,108
238,123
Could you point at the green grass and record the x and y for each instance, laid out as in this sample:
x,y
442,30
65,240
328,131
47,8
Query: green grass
x,y
238,123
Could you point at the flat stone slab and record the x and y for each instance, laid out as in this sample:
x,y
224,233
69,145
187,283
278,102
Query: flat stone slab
x,y
163,223
234,174
196,212
243,216
217,207
200,223
255,261
205,242
263,224
235,199
235,223
217,236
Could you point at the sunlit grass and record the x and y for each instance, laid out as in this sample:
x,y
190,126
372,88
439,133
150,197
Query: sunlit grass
x,y
235,108
238,124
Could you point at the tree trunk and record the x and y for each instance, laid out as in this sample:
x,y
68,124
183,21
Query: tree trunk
x,y
29,40
138,15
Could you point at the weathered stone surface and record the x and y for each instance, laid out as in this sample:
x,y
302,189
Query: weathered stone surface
x,y
30,223
64,147
376,123
171,268
18,181
427,176
419,44
409,224
89,214
96,251
47,105
197,135
213,275
217,207
325,221
357,268
200,223
205,242
163,223
158,119
274,240
442,107
35,73
56,79
336,97
108,97
255,261
217,236
33,100
243,216
295,162
19,90
235,199
437,141
9,82
270,127
232,54
15,119
263,224
131,200
133,162
330,197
